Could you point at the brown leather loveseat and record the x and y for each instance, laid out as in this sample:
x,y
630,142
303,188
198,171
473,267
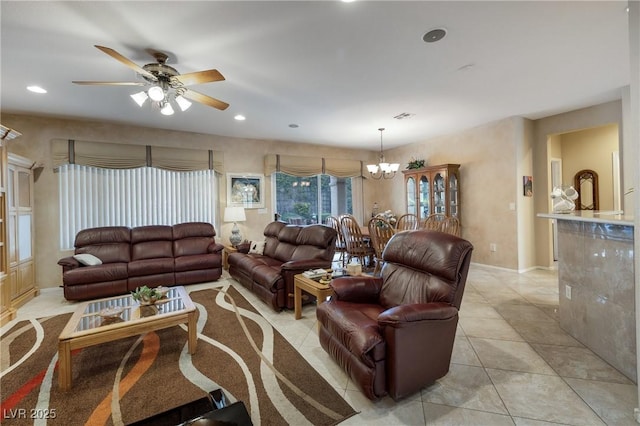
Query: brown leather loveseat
x,y
394,334
154,255
288,250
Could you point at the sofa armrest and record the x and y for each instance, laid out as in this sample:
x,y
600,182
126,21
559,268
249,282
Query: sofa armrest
x,y
243,247
362,288
68,263
215,248
404,314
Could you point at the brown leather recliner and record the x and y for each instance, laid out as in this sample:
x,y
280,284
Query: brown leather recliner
x,y
394,334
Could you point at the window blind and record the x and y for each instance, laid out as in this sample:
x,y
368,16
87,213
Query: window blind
x,y
92,197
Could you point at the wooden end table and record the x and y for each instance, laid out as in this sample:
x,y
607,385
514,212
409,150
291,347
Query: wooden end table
x,y
300,283
226,251
87,327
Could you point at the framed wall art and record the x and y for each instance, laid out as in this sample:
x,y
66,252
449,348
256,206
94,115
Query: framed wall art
x,y
527,186
245,190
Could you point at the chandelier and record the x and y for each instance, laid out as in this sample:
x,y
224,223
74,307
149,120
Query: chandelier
x,y
382,169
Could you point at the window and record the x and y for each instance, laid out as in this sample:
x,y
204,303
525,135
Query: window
x,y
92,197
307,200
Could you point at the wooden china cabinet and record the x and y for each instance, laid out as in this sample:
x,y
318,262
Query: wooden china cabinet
x,y
433,189
7,312
20,226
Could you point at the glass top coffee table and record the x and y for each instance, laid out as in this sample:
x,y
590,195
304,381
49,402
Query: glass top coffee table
x,y
105,320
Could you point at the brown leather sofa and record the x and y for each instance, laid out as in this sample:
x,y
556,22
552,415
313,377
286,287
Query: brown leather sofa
x,y
288,250
394,334
155,255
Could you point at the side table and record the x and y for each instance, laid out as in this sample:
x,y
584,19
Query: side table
x,y
225,255
320,291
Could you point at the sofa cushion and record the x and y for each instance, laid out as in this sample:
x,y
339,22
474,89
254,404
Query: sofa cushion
x,y
151,242
197,261
267,276
96,274
87,259
111,244
139,268
256,247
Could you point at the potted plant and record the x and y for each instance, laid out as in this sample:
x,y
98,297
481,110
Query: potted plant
x,y
148,296
415,164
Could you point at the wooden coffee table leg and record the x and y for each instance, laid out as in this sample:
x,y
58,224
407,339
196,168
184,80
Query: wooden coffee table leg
x,y
297,302
64,365
192,328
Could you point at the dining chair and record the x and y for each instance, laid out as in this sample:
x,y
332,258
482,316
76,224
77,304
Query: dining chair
x,y
442,223
451,225
341,247
357,246
380,232
434,222
407,222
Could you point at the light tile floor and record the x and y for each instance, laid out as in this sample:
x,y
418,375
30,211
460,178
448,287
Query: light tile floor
x,y
511,364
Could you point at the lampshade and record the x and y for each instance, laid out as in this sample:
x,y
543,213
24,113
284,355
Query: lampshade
x,y
140,97
234,214
166,109
156,93
183,103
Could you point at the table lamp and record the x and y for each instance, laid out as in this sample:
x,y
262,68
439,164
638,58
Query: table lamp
x,y
234,214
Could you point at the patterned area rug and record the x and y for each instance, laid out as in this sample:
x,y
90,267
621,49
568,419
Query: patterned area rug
x,y
131,379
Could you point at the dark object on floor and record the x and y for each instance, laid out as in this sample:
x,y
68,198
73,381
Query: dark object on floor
x,y
394,334
212,410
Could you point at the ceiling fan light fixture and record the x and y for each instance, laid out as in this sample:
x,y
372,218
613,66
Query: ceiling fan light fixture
x,y
156,93
140,98
183,103
166,109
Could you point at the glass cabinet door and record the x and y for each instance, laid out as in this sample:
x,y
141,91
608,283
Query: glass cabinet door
x,y
439,195
411,195
453,195
425,197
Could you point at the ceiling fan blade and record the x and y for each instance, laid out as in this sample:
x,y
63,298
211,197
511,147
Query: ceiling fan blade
x,y
127,62
204,99
110,83
199,77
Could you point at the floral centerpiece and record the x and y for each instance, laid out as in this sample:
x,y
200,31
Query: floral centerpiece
x,y
388,216
149,296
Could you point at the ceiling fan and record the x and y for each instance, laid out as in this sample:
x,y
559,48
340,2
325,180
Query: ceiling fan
x,y
164,83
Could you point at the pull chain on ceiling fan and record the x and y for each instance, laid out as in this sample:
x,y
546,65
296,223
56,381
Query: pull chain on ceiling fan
x,y
165,83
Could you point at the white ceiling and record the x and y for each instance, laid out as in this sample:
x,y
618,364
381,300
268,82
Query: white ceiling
x,y
338,70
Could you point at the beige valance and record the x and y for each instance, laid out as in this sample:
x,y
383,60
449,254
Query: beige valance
x,y
125,156
311,166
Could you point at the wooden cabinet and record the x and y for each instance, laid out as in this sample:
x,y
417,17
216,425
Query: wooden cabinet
x,y
20,226
434,189
7,312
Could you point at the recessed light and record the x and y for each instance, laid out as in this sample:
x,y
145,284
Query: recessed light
x,y
36,89
240,117
293,126
434,35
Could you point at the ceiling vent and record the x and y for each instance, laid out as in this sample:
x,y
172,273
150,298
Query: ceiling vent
x,y
403,116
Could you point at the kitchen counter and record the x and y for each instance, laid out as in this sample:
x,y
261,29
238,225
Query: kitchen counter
x,y
596,284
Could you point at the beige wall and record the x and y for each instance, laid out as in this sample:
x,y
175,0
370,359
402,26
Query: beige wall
x,y
591,149
493,159
488,184
240,155
598,115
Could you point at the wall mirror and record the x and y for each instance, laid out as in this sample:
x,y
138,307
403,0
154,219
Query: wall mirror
x,y
586,182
